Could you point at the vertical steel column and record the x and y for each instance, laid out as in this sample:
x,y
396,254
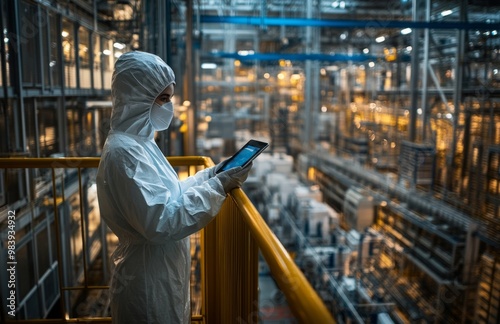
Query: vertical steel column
x,y
308,101
39,25
94,15
230,47
168,32
61,103
76,34
314,75
101,63
91,57
457,96
161,51
36,128
160,40
49,51
425,69
17,77
412,133
189,93
5,84
166,136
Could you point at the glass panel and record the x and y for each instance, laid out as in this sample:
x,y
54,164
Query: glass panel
x,y
50,288
31,127
32,306
42,239
84,55
47,124
74,130
55,60
107,62
5,127
103,117
76,235
44,30
4,43
30,49
96,41
53,241
68,45
26,278
86,145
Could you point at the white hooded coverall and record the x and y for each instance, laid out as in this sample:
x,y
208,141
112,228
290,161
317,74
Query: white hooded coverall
x,y
144,203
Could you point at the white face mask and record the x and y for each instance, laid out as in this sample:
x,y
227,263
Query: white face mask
x,y
161,116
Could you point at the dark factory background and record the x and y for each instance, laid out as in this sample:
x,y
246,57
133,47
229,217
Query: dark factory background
x,y
386,114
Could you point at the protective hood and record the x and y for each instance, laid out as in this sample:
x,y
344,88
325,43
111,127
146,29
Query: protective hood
x,y
138,78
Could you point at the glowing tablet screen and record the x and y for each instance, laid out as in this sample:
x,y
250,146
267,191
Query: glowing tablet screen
x,y
246,154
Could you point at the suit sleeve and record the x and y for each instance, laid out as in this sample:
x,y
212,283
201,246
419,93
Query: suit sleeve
x,y
149,207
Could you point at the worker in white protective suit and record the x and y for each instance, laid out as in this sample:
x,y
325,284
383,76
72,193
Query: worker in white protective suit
x,y
145,204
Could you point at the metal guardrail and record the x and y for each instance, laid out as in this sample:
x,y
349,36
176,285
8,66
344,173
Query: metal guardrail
x,y
229,246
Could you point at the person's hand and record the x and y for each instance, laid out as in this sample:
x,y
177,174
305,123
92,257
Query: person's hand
x,y
212,170
234,178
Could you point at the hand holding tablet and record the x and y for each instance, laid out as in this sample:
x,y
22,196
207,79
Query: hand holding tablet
x,y
244,156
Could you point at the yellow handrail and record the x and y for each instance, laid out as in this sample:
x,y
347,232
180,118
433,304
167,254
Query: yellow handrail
x,y
89,162
303,300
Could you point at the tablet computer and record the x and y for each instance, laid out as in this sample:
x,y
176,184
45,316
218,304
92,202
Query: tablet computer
x,y
244,156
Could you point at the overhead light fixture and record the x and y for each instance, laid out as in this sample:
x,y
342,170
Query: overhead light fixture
x,y
245,53
338,4
366,51
446,13
405,31
208,66
64,33
380,39
119,46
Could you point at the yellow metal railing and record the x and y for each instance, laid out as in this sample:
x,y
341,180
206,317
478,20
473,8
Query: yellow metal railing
x,y
229,255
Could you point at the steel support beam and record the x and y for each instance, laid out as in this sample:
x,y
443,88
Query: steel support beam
x,y
339,23
424,71
415,69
